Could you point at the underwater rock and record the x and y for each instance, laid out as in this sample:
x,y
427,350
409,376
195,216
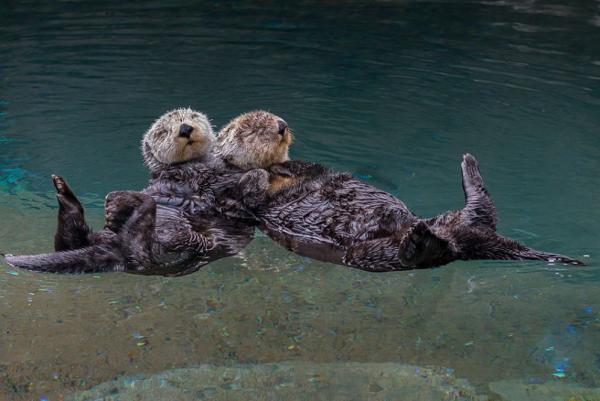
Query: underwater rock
x,y
288,381
322,381
515,390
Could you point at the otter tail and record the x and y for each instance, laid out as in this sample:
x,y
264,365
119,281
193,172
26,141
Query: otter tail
x,y
479,208
486,244
91,259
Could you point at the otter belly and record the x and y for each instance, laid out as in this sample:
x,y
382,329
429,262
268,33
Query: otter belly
x,y
168,220
224,236
337,218
317,248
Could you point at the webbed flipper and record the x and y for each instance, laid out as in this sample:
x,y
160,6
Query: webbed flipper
x,y
534,254
482,243
72,232
479,207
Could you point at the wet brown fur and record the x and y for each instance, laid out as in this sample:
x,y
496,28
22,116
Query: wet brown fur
x,y
172,227
278,183
333,217
252,140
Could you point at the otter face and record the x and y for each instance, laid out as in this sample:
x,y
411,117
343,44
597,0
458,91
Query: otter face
x,y
256,139
177,136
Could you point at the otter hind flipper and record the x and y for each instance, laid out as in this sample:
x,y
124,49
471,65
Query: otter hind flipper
x,y
534,254
65,190
479,207
91,259
486,244
72,232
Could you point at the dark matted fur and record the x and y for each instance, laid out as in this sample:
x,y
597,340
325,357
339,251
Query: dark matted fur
x,y
334,217
304,206
172,227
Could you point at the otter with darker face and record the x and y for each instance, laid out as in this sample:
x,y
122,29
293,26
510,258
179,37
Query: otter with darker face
x,y
334,217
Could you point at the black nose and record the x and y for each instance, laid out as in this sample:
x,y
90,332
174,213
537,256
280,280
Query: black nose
x,y
281,125
185,130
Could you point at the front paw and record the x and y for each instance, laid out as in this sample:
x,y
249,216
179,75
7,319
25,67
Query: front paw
x,y
283,169
252,187
119,206
254,182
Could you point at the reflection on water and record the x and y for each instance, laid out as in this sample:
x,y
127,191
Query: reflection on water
x,y
394,92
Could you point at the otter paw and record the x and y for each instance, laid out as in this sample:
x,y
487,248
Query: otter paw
x,y
122,198
254,182
421,247
119,206
282,169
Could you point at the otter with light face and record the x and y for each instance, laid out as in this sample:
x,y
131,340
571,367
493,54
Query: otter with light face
x,y
172,227
334,217
254,140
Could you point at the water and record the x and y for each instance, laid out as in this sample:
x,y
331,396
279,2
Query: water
x,y
393,92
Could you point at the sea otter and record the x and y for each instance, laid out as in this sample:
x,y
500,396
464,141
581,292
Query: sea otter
x,y
331,216
173,226
334,217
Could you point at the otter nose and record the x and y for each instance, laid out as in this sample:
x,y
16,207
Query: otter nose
x,y
185,130
281,126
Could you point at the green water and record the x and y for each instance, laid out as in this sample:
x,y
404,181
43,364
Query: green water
x,y
394,92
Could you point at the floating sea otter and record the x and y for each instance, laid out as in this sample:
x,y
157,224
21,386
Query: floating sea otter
x,y
173,226
316,212
334,217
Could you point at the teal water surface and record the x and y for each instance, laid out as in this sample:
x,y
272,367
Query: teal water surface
x,y
394,92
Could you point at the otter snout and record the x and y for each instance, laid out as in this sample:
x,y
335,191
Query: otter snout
x,y
281,126
185,131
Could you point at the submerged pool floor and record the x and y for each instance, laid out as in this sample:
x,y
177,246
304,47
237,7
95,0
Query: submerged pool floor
x,y
480,321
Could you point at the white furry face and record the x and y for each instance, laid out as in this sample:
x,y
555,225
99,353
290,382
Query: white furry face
x,y
256,139
177,136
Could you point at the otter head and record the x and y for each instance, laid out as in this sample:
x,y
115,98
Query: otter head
x,y
256,139
179,135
